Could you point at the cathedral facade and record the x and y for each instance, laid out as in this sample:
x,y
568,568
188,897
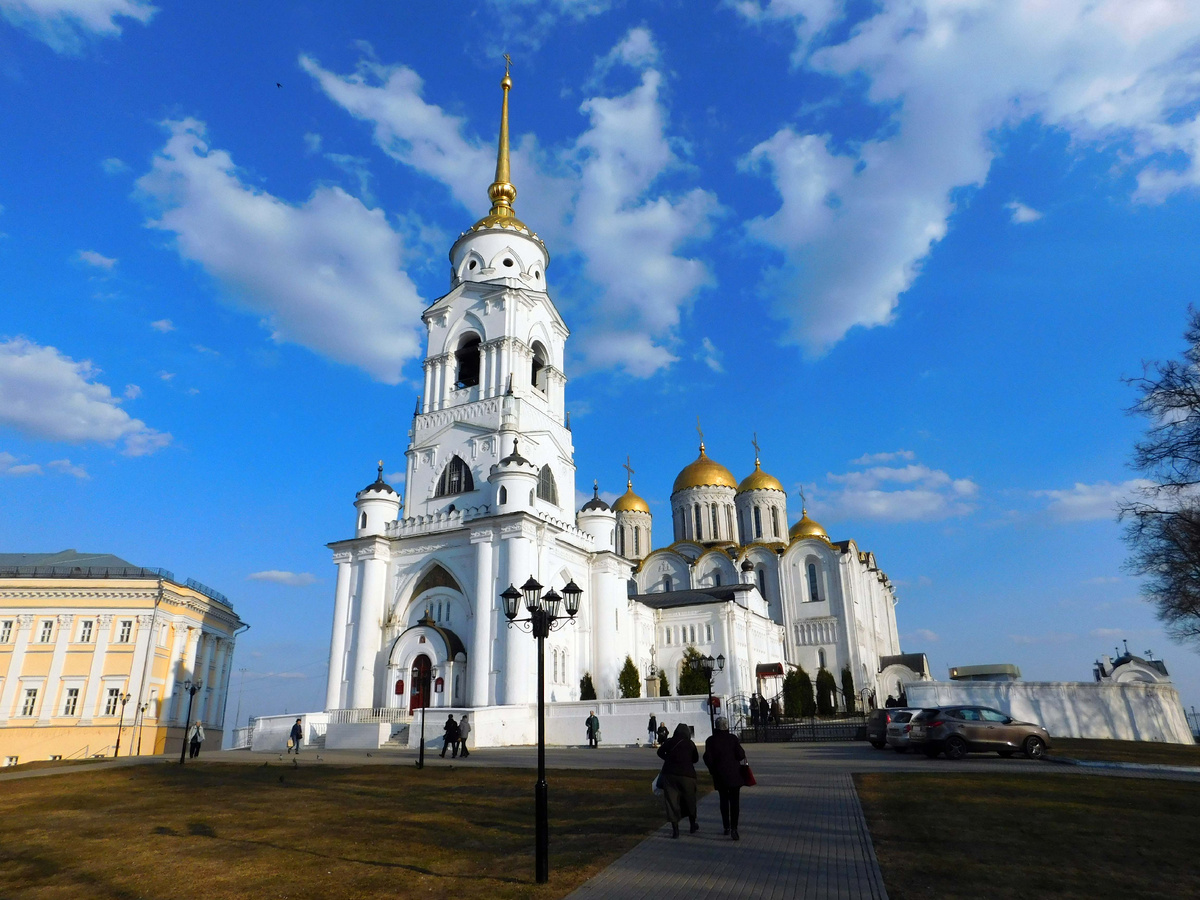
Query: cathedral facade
x,y
489,496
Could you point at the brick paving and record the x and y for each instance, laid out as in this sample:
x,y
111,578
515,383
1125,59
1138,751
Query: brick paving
x,y
801,836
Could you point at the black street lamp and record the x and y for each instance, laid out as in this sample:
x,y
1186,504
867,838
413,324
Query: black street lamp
x,y
424,695
141,723
192,688
124,698
543,618
705,665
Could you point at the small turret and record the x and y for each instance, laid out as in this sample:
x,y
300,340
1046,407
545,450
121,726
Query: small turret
x,y
377,504
514,480
597,519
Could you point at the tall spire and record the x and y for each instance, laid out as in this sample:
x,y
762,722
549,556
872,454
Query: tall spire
x,y
502,193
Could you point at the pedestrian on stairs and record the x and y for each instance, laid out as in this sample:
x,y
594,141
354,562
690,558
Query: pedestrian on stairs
x,y
296,738
464,731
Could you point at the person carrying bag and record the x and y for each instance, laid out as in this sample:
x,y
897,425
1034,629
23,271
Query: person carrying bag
x,y
726,762
678,777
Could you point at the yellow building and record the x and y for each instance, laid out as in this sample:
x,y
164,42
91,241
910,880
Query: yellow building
x,y
91,645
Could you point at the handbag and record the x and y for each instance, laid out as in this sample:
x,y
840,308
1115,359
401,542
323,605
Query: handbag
x,y
656,785
748,778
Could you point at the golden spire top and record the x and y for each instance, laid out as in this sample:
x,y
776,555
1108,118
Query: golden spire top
x,y
502,193
628,467
754,443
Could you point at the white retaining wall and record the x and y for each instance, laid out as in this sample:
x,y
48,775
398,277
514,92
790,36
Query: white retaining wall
x,y
365,736
271,732
1071,709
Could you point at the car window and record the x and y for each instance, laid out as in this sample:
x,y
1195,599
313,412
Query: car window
x,y
991,715
902,717
967,715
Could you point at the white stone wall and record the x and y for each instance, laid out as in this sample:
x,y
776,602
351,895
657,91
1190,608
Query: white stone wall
x,y
1071,709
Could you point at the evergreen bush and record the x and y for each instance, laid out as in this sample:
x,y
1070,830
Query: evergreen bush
x,y
692,681
664,686
587,690
826,691
848,696
629,681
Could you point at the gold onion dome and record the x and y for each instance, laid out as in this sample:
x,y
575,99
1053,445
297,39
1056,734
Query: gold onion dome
x,y
630,502
758,480
807,528
704,472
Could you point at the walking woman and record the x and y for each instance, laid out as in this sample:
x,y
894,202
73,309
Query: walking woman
x,y
724,756
679,757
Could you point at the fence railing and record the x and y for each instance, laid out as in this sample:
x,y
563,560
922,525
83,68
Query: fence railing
x,y
241,738
367,716
841,728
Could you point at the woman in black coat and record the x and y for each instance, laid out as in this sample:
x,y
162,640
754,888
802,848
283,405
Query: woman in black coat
x,y
723,754
679,757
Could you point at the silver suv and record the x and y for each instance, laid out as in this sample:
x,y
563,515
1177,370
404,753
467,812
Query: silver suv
x,y
959,730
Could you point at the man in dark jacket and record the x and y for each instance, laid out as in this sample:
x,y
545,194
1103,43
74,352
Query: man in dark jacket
x,y
296,738
652,728
450,737
723,754
679,757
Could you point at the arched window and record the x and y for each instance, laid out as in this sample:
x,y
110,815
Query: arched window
x,y
666,582
503,495
621,541
716,577
546,489
363,521
467,359
708,634
729,523
456,479
757,523
667,636
761,577
637,544
821,658
692,634
716,532
696,511
774,522
743,527
813,594
554,656
537,368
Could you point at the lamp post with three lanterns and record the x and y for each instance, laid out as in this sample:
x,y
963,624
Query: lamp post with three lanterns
x,y
705,665
543,618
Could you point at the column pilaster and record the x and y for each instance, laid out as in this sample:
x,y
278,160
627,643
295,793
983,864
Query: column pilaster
x,y
92,694
15,664
337,641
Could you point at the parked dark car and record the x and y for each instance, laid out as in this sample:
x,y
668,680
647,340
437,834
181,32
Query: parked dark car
x,y
877,724
959,730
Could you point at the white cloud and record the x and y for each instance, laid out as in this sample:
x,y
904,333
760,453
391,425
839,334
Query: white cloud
x,y
1088,502
166,376
68,468
114,166
62,24
395,478
637,49
45,394
163,325
710,355
860,212
912,493
582,497
924,634
871,459
597,197
1022,214
10,467
1104,579
325,274
277,576
92,258
1108,633
312,143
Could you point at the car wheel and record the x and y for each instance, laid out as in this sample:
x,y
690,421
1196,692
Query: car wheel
x,y
879,745
1005,753
956,748
1034,747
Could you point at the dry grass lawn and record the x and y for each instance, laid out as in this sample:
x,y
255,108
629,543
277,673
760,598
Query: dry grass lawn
x,y
1145,752
1065,836
209,832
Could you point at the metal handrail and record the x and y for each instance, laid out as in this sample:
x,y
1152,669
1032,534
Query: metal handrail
x,y
85,572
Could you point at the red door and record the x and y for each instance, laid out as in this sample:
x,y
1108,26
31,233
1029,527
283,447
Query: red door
x,y
419,697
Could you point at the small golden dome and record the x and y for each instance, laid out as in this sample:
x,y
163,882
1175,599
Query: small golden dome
x,y
630,502
704,472
807,528
758,480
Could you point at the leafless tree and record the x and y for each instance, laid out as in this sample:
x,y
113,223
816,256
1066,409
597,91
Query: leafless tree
x,y
1162,521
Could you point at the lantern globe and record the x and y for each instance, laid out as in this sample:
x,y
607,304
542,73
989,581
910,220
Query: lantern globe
x,y
511,598
533,593
572,593
552,602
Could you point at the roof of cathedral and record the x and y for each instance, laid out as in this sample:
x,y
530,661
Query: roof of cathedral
x,y
379,486
66,558
595,502
696,597
807,528
758,480
629,501
515,458
704,472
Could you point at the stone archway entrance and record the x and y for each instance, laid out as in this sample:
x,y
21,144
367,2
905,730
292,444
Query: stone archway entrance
x,y
419,693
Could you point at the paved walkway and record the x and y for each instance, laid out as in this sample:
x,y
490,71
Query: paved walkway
x,y
801,836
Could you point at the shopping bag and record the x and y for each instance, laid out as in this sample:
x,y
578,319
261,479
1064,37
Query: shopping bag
x,y
656,785
748,778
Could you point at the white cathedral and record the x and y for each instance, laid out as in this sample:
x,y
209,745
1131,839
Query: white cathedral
x,y
489,495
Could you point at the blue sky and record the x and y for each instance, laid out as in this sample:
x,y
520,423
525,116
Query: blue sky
x,y
915,247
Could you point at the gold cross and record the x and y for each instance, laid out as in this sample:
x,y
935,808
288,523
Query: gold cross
x,y
629,469
754,443
698,429
507,63
803,500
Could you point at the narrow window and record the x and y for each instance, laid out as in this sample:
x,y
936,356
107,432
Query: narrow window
x,y
162,635
546,488
85,632
666,582
692,633
554,656
729,522
821,658
708,634
152,708
696,511
621,545
126,631
667,636
72,702
716,532
29,706
717,578
637,549
456,479
5,631
467,359
362,522
760,577
503,495
537,368
111,700
47,631
774,522
813,595
757,523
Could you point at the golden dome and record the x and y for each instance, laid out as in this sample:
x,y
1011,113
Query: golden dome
x,y
807,528
758,480
630,502
704,472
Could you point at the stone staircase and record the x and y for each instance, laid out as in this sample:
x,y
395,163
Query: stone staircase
x,y
316,743
398,740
